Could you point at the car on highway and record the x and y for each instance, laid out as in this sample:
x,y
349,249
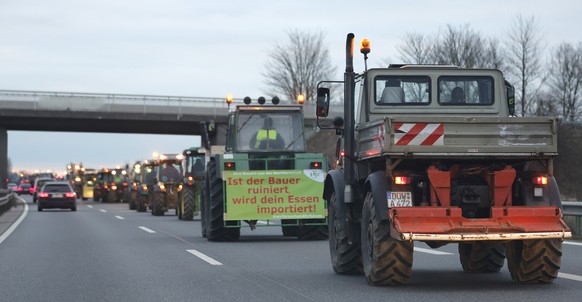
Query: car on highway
x,y
57,194
12,187
38,184
23,188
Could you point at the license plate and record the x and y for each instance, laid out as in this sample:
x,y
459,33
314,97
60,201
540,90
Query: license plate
x,y
57,196
399,199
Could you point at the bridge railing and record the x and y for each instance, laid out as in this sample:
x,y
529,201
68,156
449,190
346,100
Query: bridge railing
x,y
146,104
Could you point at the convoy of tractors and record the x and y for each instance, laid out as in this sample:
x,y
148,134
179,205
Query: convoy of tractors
x,y
424,153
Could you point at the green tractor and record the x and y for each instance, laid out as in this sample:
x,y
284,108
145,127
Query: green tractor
x,y
193,171
167,184
265,177
134,184
145,182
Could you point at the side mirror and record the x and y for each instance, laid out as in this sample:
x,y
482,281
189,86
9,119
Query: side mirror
x,y
323,95
510,90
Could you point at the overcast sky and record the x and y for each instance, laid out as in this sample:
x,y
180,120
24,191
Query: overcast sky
x,y
207,49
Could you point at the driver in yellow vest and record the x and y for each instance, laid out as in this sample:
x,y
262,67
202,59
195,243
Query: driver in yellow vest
x,y
267,138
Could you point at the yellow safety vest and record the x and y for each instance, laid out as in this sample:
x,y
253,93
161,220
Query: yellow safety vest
x,y
265,134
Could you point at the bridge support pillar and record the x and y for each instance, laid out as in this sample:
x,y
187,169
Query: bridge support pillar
x,y
3,157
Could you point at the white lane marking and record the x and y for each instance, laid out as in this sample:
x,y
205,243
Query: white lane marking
x,y
104,211
16,223
570,277
573,243
147,230
203,257
119,217
90,206
434,252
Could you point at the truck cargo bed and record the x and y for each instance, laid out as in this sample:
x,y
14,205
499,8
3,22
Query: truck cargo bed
x,y
457,137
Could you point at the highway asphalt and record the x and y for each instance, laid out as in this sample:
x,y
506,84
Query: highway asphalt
x,y
106,252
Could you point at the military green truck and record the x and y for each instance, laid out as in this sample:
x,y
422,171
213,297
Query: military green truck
x,y
436,154
194,168
265,177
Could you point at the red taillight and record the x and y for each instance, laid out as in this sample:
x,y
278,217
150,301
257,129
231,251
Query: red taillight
x,y
229,165
125,184
315,165
70,194
43,195
342,153
401,180
540,180
105,187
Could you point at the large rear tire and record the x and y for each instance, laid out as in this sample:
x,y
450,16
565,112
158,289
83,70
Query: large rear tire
x,y
534,261
204,207
216,230
482,257
132,200
140,203
313,231
188,210
346,258
158,206
290,230
386,260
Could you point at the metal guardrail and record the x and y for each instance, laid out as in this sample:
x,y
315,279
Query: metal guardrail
x,y
5,200
574,208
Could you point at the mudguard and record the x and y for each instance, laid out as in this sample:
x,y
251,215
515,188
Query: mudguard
x,y
334,182
376,183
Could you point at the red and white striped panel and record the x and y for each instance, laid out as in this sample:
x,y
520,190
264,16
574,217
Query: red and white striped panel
x,y
418,134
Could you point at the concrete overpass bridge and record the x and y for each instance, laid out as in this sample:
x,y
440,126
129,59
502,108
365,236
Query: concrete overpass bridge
x,y
114,113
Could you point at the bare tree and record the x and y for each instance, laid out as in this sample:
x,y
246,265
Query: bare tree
x,y
417,49
296,67
460,46
524,59
565,79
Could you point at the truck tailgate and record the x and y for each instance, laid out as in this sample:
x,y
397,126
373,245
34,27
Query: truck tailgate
x,y
417,136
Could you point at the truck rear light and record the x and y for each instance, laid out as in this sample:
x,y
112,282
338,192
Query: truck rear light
x,y
315,165
70,194
401,180
540,180
229,165
43,195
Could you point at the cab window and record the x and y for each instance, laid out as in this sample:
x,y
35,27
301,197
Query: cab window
x,y
402,90
465,90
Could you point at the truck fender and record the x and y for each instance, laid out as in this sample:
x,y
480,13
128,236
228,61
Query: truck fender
x,y
376,184
334,182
